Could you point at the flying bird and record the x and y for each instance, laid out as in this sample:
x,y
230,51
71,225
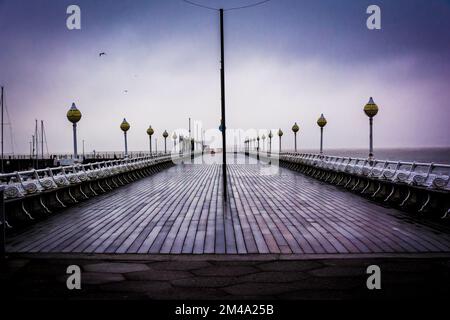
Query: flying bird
x,y
126,91
102,54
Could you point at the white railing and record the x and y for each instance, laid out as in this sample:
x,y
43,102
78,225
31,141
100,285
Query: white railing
x,y
23,183
429,175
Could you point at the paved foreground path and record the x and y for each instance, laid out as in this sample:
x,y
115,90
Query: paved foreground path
x,y
270,210
224,277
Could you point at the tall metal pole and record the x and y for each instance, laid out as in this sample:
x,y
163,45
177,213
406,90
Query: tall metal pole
x,y
371,138
2,130
222,87
34,142
270,145
295,141
75,149
42,139
126,145
321,141
36,136
150,143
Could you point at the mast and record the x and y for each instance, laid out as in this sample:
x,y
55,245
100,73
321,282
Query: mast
x,y
42,139
36,137
32,154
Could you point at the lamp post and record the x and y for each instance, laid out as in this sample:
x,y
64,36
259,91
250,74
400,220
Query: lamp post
x,y
150,132
180,144
321,122
280,134
74,115
165,135
295,129
371,109
263,141
174,137
257,145
270,135
125,126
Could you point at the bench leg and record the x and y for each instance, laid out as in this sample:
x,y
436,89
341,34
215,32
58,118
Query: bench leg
x,y
406,199
26,211
378,190
390,194
59,200
43,205
426,203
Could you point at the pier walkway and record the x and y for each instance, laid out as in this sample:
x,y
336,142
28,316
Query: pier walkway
x,y
270,210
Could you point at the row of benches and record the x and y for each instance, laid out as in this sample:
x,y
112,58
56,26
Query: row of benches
x,y
33,194
419,187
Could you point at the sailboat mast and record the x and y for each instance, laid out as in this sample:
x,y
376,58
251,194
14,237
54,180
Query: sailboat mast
x,y
42,139
36,136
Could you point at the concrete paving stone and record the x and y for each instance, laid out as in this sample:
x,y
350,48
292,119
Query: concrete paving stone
x,y
99,278
187,294
236,263
320,295
107,296
258,288
205,282
273,276
115,267
287,265
179,265
14,264
158,275
155,287
225,271
395,279
339,272
350,262
43,269
409,266
65,262
329,283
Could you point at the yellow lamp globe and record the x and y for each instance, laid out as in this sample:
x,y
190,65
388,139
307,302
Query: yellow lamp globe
x,y
280,132
165,134
322,122
295,128
73,115
125,126
371,109
150,131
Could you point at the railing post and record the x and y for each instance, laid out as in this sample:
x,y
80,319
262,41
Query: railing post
x,y
2,225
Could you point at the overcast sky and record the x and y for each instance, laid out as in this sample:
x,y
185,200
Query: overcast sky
x,y
286,61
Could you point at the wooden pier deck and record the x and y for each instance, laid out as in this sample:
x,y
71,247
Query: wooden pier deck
x,y
180,211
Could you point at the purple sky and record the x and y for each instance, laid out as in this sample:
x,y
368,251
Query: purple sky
x,y
286,61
